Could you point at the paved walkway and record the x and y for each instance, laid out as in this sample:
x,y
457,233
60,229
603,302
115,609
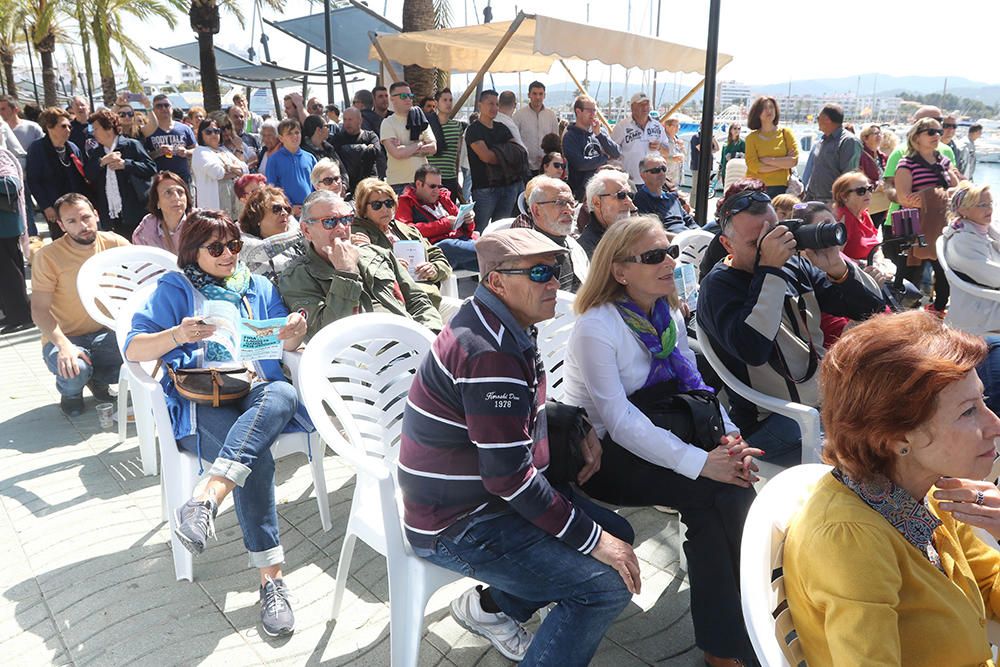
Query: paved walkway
x,y
88,577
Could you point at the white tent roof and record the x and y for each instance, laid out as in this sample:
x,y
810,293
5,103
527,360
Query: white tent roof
x,y
538,43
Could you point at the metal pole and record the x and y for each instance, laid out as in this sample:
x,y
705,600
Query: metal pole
x,y
343,85
34,83
487,17
305,79
515,24
278,108
329,52
659,11
708,112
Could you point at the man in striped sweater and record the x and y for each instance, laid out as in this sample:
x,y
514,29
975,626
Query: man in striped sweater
x,y
474,450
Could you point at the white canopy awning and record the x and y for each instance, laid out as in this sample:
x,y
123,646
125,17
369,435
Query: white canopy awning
x,y
539,42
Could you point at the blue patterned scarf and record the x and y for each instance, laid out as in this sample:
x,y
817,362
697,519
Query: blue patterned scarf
x,y
659,334
232,289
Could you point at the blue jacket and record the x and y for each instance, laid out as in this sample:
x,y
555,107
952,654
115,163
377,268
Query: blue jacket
x,y
586,152
172,301
291,173
667,206
48,179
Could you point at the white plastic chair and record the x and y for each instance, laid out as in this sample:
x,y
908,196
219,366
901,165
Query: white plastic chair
x,y
449,306
692,244
553,336
179,468
806,417
761,554
105,282
355,378
497,225
450,286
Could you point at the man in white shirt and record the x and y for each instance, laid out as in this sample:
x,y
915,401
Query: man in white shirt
x,y
508,102
534,122
637,136
406,154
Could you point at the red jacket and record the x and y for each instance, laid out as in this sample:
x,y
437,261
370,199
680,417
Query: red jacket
x,y
432,227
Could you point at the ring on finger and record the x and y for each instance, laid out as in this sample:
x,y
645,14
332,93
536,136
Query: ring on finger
x,y
980,497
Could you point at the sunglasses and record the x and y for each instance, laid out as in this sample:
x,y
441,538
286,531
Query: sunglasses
x,y
278,209
620,195
330,180
331,223
404,96
126,114
539,273
559,165
162,105
655,170
216,248
743,201
950,126
931,132
378,204
211,130
433,186
655,256
863,190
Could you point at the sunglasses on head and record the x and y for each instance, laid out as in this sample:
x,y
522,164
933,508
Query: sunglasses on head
x,y
329,180
379,203
863,190
620,195
335,221
539,273
655,256
404,96
656,170
743,201
932,131
216,248
278,209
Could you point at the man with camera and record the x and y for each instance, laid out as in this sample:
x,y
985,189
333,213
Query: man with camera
x,y
760,309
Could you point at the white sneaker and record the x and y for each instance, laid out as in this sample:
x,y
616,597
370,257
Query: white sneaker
x,y
507,635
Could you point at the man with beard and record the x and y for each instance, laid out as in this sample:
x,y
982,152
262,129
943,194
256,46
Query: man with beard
x,y
77,350
551,204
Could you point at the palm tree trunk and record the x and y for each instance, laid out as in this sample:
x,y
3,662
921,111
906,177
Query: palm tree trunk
x,y
48,77
419,15
101,38
8,73
88,65
205,19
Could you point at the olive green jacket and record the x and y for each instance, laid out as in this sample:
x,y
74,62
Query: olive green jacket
x,y
311,284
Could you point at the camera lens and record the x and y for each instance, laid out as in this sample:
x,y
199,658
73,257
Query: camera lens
x,y
820,235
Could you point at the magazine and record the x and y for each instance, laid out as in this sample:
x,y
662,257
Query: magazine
x,y
411,252
237,338
463,214
686,280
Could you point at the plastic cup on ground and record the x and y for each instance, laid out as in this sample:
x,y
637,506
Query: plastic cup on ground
x,y
106,415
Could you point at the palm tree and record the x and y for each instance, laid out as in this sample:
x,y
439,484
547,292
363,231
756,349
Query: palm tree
x,y
43,20
205,19
108,31
425,15
11,36
82,14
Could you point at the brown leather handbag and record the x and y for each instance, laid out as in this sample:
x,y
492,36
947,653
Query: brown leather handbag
x,y
211,386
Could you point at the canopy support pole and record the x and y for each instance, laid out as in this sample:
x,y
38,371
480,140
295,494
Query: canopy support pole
x,y
514,25
328,43
708,114
583,91
386,63
343,85
684,100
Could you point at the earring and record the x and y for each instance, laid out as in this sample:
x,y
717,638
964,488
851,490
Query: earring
x,y
904,451
624,282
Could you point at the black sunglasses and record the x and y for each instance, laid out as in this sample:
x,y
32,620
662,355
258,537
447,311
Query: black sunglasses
x,y
620,195
656,170
950,126
539,273
931,131
863,190
216,248
559,165
211,130
278,209
743,201
126,114
378,204
330,223
330,180
655,256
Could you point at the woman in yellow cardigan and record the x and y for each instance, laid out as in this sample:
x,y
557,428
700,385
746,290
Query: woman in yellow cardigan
x,y
771,151
881,565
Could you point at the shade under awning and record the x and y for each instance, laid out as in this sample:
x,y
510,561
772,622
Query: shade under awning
x,y
349,28
233,68
537,45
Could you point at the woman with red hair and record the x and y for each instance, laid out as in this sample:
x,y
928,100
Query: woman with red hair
x,y
881,565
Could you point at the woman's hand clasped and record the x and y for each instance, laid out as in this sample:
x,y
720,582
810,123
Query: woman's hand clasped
x,y
732,462
192,330
971,501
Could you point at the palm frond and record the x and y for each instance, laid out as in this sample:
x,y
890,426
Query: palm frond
x,y
233,7
442,14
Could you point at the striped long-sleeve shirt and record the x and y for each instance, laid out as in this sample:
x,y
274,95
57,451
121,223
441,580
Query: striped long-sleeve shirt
x,y
475,441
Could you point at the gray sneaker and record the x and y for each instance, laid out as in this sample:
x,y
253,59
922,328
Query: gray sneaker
x,y
507,635
196,523
276,615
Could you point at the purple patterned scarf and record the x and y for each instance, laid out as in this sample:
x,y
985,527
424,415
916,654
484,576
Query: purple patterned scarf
x,y
659,335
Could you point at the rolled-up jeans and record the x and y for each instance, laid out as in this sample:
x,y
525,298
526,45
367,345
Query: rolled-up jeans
x,y
238,437
105,362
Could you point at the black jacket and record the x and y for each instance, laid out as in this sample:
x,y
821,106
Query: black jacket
x,y
133,183
48,178
360,154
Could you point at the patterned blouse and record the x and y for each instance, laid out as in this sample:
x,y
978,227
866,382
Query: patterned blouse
x,y
911,518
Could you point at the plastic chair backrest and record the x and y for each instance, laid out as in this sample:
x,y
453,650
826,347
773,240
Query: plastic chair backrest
x,y
762,584
954,280
692,244
449,306
108,279
123,325
497,225
553,337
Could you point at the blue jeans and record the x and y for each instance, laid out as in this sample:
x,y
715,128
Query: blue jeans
x,y
461,253
494,203
105,362
466,185
780,438
398,188
29,212
238,437
989,373
528,568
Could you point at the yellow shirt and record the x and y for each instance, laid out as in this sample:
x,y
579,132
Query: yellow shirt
x,y
54,269
781,144
401,171
861,594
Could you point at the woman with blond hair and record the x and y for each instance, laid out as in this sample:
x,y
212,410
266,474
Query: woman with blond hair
x,y
881,564
630,343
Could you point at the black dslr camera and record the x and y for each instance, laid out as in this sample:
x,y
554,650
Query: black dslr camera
x,y
816,235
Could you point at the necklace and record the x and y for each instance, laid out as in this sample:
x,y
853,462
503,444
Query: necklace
x,y
61,153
